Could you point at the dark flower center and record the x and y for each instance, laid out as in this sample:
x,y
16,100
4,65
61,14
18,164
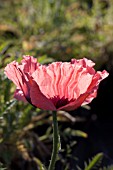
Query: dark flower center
x,y
59,102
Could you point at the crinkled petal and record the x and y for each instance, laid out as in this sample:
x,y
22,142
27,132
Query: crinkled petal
x,y
58,86
74,104
84,62
62,79
29,64
38,99
89,95
73,81
98,77
14,74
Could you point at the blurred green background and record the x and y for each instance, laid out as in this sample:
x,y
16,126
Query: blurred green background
x,y
49,30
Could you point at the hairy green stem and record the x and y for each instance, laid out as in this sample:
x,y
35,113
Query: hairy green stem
x,y
56,142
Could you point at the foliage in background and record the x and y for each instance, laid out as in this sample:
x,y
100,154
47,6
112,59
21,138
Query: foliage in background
x,y
59,29
49,30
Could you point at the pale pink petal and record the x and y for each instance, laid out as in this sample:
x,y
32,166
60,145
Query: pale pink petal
x,y
89,95
69,80
43,80
53,78
84,81
15,74
38,99
62,82
12,72
84,62
61,74
60,78
29,64
74,104
58,86
98,77
19,95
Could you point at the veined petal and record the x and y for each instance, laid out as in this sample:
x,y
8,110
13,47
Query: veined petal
x,y
89,95
84,62
29,64
98,77
58,86
14,74
38,99
19,74
74,104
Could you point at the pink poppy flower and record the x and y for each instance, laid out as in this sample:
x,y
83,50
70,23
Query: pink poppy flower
x,y
57,86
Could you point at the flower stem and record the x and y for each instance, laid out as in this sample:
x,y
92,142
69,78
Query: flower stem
x,y
56,142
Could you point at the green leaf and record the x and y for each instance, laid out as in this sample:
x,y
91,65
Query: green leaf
x,y
107,168
95,162
2,167
73,132
39,163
